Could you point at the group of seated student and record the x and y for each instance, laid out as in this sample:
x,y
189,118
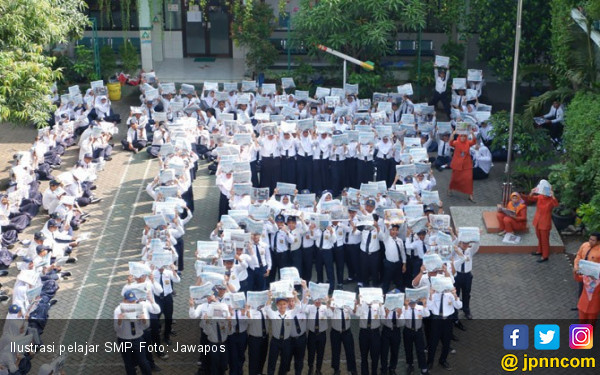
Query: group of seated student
x,y
42,261
328,218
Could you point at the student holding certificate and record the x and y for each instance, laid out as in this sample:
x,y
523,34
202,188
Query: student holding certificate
x,y
513,217
462,165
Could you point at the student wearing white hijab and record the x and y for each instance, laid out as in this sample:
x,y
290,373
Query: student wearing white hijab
x,y
482,158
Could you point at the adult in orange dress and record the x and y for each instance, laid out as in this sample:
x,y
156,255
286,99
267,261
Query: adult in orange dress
x,y
589,301
542,221
588,251
509,223
462,165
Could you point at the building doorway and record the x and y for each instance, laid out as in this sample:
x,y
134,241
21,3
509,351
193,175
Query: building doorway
x,y
207,36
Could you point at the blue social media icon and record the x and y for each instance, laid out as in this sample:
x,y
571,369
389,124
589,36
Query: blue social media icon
x,y
516,337
546,336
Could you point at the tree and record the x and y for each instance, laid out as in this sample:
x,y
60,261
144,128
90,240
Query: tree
x,y
26,73
494,21
362,29
252,27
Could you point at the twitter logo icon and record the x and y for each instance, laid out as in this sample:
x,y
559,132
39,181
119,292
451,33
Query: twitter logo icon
x,y
547,337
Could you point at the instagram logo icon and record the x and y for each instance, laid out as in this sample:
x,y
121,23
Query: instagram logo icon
x,y
581,336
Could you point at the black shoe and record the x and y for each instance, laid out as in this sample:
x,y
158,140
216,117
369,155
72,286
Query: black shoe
x,y
446,365
95,200
4,273
536,253
542,260
108,158
410,369
173,333
4,298
53,302
469,316
574,308
72,260
340,286
65,274
162,355
460,326
454,338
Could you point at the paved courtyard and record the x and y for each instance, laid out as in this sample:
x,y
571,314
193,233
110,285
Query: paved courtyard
x,y
504,287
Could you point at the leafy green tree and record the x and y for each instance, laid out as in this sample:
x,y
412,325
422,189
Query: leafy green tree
x,y
26,73
253,25
494,21
362,29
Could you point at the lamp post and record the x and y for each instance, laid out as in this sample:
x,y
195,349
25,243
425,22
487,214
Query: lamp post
x,y
507,170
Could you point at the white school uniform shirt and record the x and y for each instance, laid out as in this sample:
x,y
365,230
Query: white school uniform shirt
x,y
311,314
352,237
485,132
395,116
365,153
425,184
281,243
211,327
269,148
287,147
351,150
449,304
168,277
131,134
294,237
277,319
265,255
385,150
414,246
240,268
50,201
224,184
467,259
394,248
440,84
335,315
377,313
299,320
340,232
124,330
387,322
153,286
305,145
420,313
255,327
329,239
483,158
198,311
338,153
444,148
322,148
238,320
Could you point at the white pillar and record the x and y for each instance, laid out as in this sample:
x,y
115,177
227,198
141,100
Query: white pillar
x,y
145,23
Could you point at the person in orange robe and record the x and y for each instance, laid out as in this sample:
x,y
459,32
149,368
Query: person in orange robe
x,y
588,251
462,165
518,222
589,301
542,221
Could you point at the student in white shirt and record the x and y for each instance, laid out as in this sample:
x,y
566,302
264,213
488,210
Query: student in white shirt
x,y
369,338
394,262
464,278
324,241
439,94
166,276
413,314
554,121
483,161
281,328
442,306
444,157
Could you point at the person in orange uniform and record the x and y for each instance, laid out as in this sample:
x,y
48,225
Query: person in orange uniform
x,y
510,223
542,221
588,251
462,165
589,301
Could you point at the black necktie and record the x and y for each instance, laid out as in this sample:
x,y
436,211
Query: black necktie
x,y
219,337
441,304
287,153
150,115
135,137
275,241
413,322
443,148
263,323
162,285
343,320
297,323
394,320
462,268
317,321
132,326
368,250
322,238
347,236
398,248
237,322
281,331
424,248
369,318
260,263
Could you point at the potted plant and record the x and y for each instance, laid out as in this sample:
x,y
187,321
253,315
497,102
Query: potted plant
x,y
108,62
562,217
130,59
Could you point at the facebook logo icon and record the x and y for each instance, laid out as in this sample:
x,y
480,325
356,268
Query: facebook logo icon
x,y
516,337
